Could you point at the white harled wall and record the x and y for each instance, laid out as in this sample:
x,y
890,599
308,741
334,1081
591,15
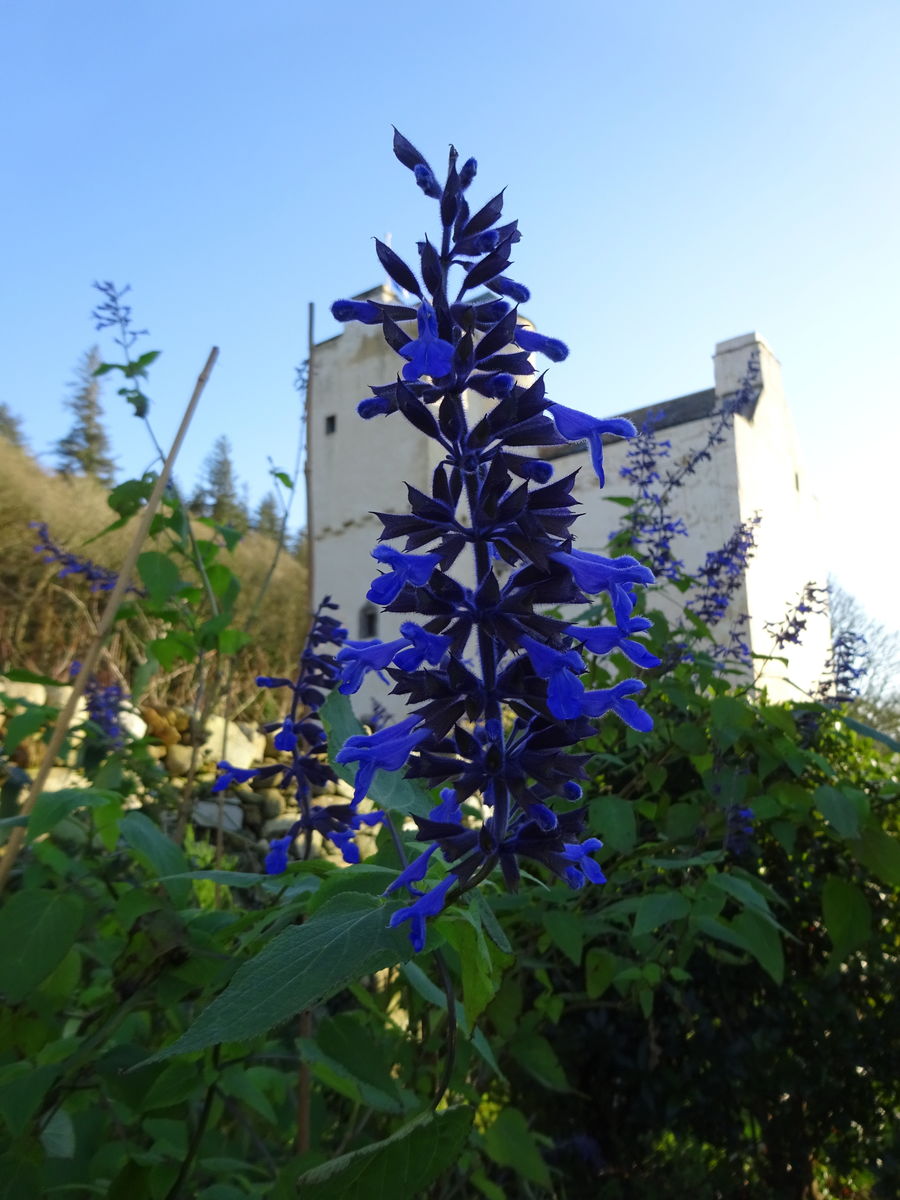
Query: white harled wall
x,y
363,465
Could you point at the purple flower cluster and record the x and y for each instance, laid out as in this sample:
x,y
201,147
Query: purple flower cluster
x,y
104,703
302,735
651,528
100,578
495,688
847,665
812,600
722,573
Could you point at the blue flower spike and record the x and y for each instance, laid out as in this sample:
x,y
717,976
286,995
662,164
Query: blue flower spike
x,y
494,687
302,735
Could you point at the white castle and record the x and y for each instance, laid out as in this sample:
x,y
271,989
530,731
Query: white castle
x,y
358,465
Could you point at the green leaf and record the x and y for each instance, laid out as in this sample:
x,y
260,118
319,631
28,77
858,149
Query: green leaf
x,y
173,1084
741,890
492,926
565,931
24,724
283,478
730,718
600,967
751,933
842,809
131,495
37,930
480,979
763,941
143,673
509,1142
390,789
880,852
535,1054
299,968
690,738
174,646
22,1088
232,640
51,807
851,723
20,675
659,908
613,818
157,852
159,575
365,878
402,1166
847,916
345,1060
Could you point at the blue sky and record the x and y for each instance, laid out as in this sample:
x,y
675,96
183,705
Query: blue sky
x,y
683,172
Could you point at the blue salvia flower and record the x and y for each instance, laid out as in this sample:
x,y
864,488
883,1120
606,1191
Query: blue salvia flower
x,y
813,600
100,578
651,526
302,735
497,702
104,704
847,666
722,573
738,829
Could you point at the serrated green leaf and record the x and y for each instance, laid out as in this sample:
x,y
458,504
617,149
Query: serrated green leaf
x,y
741,890
402,1166
845,810
51,807
535,1055
24,724
659,908
159,575
37,930
600,967
305,964
613,819
847,915
510,1143
880,852
157,852
565,931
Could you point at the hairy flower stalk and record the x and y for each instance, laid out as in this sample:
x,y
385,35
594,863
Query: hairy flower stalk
x,y
494,686
302,735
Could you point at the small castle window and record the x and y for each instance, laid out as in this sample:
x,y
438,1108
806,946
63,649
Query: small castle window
x,y
330,423
368,622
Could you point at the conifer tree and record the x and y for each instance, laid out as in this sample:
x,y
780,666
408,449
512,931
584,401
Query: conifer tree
x,y
267,520
85,449
216,495
11,426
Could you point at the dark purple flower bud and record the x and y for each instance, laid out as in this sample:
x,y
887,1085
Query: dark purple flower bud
x,y
537,343
426,180
467,172
273,681
504,286
375,406
356,310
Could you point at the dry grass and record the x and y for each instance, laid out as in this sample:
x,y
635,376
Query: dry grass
x,y
45,621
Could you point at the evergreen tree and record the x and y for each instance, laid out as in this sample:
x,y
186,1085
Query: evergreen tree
x,y
216,495
11,426
267,520
85,449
